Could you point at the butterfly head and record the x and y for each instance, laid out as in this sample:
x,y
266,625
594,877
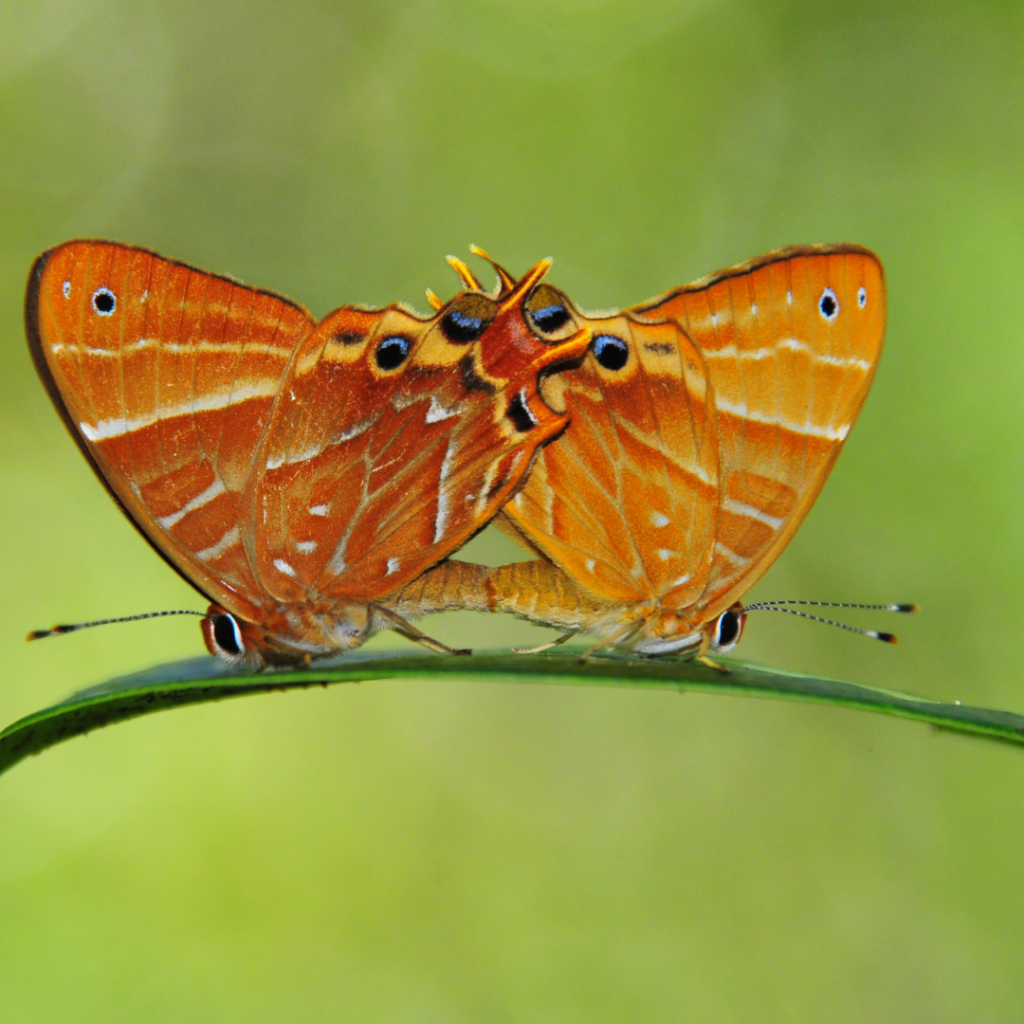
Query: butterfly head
x,y
724,632
671,632
233,640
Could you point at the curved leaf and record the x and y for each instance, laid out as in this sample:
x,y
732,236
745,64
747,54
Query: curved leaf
x,y
204,679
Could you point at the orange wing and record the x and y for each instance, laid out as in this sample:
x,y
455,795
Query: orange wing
x,y
165,376
792,341
374,472
625,500
720,469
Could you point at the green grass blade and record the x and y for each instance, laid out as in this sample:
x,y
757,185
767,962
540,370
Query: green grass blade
x,y
202,679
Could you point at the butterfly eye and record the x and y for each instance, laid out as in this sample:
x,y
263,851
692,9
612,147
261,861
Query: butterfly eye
x,y
546,310
829,305
227,636
467,318
392,352
727,633
611,352
104,301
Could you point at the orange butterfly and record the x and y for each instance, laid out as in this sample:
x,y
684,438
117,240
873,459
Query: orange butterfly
x,y
294,472
703,424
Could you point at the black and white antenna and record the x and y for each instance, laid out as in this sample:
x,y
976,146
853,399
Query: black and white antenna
x,y
777,606
38,634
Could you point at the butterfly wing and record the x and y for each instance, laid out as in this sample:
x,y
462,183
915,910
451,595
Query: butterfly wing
x,y
791,341
625,500
371,473
165,376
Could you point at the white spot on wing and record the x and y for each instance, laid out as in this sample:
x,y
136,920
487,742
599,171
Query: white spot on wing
x,y
788,345
276,461
353,431
862,297
189,348
211,492
660,519
66,289
665,554
229,540
218,400
740,508
438,412
590,564
789,298
721,549
809,429
319,510
443,500
393,564
306,547
282,566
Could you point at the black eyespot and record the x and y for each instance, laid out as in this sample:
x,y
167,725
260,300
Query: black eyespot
x,y
392,352
468,317
227,634
727,630
611,352
104,301
828,304
547,310
550,318
520,414
459,326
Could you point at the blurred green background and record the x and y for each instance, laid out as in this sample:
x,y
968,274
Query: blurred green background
x,y
416,852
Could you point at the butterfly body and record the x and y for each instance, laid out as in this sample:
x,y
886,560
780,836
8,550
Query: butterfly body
x,y
703,424
295,472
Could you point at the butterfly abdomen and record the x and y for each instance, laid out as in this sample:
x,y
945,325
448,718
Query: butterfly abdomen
x,y
538,591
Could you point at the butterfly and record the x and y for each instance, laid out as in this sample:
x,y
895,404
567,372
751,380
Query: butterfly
x,y
294,472
703,424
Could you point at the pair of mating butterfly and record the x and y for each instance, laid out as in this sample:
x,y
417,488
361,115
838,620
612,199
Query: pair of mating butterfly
x,y
312,479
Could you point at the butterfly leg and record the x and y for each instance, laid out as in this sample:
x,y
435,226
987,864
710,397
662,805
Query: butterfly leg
x,y
705,660
546,647
620,636
410,632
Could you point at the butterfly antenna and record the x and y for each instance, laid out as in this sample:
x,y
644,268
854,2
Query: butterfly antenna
x,y
38,634
508,282
434,301
776,606
468,278
834,604
525,283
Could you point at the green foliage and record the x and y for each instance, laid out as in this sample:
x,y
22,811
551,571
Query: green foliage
x,y
200,680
